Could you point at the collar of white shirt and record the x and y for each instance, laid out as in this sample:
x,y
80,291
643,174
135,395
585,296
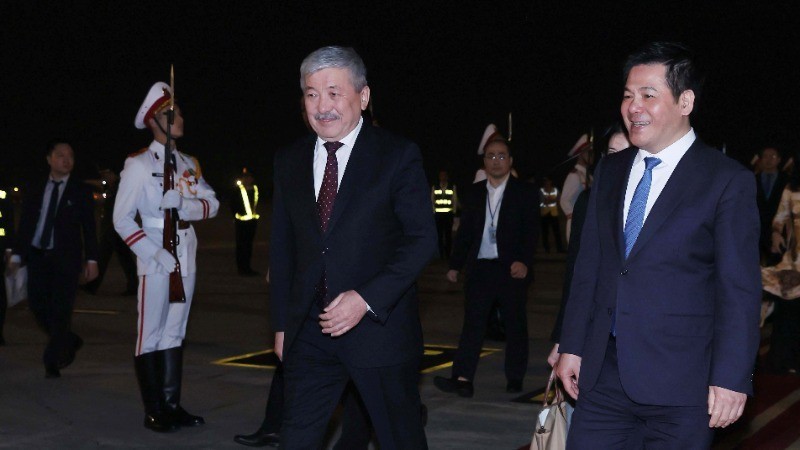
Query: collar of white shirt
x,y
671,155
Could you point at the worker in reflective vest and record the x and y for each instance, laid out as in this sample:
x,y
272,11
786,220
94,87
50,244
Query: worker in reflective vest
x,y
445,202
244,201
6,236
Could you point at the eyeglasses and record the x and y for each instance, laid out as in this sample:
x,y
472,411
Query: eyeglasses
x,y
495,157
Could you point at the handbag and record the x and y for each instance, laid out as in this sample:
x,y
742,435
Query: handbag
x,y
552,423
17,286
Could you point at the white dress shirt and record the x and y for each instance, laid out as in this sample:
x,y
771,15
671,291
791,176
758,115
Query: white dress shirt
x,y
494,196
342,157
670,157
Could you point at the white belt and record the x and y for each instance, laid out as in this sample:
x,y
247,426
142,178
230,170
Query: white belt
x,y
153,222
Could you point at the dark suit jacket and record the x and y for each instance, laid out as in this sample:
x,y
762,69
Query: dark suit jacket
x,y
74,230
517,226
380,236
688,295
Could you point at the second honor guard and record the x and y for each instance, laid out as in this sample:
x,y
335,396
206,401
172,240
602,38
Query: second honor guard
x,y
161,324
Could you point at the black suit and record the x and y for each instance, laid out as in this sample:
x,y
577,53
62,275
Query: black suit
x,y
490,280
767,207
379,238
53,274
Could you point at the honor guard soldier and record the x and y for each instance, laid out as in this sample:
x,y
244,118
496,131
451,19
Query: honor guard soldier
x,y
244,201
161,324
445,201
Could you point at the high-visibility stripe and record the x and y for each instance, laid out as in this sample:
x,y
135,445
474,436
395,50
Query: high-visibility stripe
x,y
248,211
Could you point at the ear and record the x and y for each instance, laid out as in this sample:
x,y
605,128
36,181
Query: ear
x,y
364,97
686,102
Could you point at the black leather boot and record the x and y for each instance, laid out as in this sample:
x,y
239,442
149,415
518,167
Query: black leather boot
x,y
149,373
173,372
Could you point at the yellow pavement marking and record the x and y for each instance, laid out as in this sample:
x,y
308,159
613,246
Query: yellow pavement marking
x,y
106,312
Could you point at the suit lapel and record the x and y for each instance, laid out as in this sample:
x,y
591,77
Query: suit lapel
x,y
360,164
305,180
679,184
621,178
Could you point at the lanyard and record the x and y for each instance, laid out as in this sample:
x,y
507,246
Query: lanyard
x,y
496,207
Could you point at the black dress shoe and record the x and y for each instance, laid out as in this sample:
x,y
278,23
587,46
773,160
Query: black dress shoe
x,y
159,422
462,388
181,417
77,344
51,371
258,439
514,386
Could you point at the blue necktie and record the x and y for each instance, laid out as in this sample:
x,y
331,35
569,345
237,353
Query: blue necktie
x,y
636,211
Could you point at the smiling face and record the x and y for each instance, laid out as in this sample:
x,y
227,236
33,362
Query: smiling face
x,y
333,106
654,118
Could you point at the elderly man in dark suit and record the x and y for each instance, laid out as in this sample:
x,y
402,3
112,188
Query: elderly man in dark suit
x,y
661,328
495,246
351,231
58,242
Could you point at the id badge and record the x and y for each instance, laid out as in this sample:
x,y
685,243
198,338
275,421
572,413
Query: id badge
x,y
492,234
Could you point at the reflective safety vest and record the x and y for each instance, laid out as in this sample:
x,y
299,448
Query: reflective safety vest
x,y
3,196
549,204
249,214
444,200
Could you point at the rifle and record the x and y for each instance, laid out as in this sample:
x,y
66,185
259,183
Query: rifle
x,y
176,291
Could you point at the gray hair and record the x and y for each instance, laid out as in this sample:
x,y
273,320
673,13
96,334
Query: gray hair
x,y
338,58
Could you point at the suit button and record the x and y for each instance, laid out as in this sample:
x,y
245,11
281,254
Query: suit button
x,y
610,311
624,272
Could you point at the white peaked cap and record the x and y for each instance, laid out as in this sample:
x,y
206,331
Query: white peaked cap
x,y
157,99
491,131
583,144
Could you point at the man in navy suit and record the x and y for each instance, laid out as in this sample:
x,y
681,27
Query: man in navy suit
x,y
662,325
58,242
351,231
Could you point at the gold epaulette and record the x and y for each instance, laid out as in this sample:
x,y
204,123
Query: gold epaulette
x,y
197,172
138,152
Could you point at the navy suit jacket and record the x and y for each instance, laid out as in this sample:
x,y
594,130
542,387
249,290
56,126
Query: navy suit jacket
x,y
517,226
687,297
380,236
74,229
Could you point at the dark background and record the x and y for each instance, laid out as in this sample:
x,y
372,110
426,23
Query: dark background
x,y
439,71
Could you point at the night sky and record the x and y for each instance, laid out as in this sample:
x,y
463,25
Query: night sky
x,y
439,72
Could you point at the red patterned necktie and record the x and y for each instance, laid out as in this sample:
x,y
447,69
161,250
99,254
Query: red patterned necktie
x,y
325,200
330,184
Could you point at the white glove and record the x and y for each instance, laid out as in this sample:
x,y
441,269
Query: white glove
x,y
165,260
171,199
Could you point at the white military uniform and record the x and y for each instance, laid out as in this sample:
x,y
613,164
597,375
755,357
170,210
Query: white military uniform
x,y
574,184
161,325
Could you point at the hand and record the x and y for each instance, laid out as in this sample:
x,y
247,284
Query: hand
x,y
90,271
518,270
724,406
344,313
171,199
778,242
552,358
166,260
279,344
452,276
568,369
